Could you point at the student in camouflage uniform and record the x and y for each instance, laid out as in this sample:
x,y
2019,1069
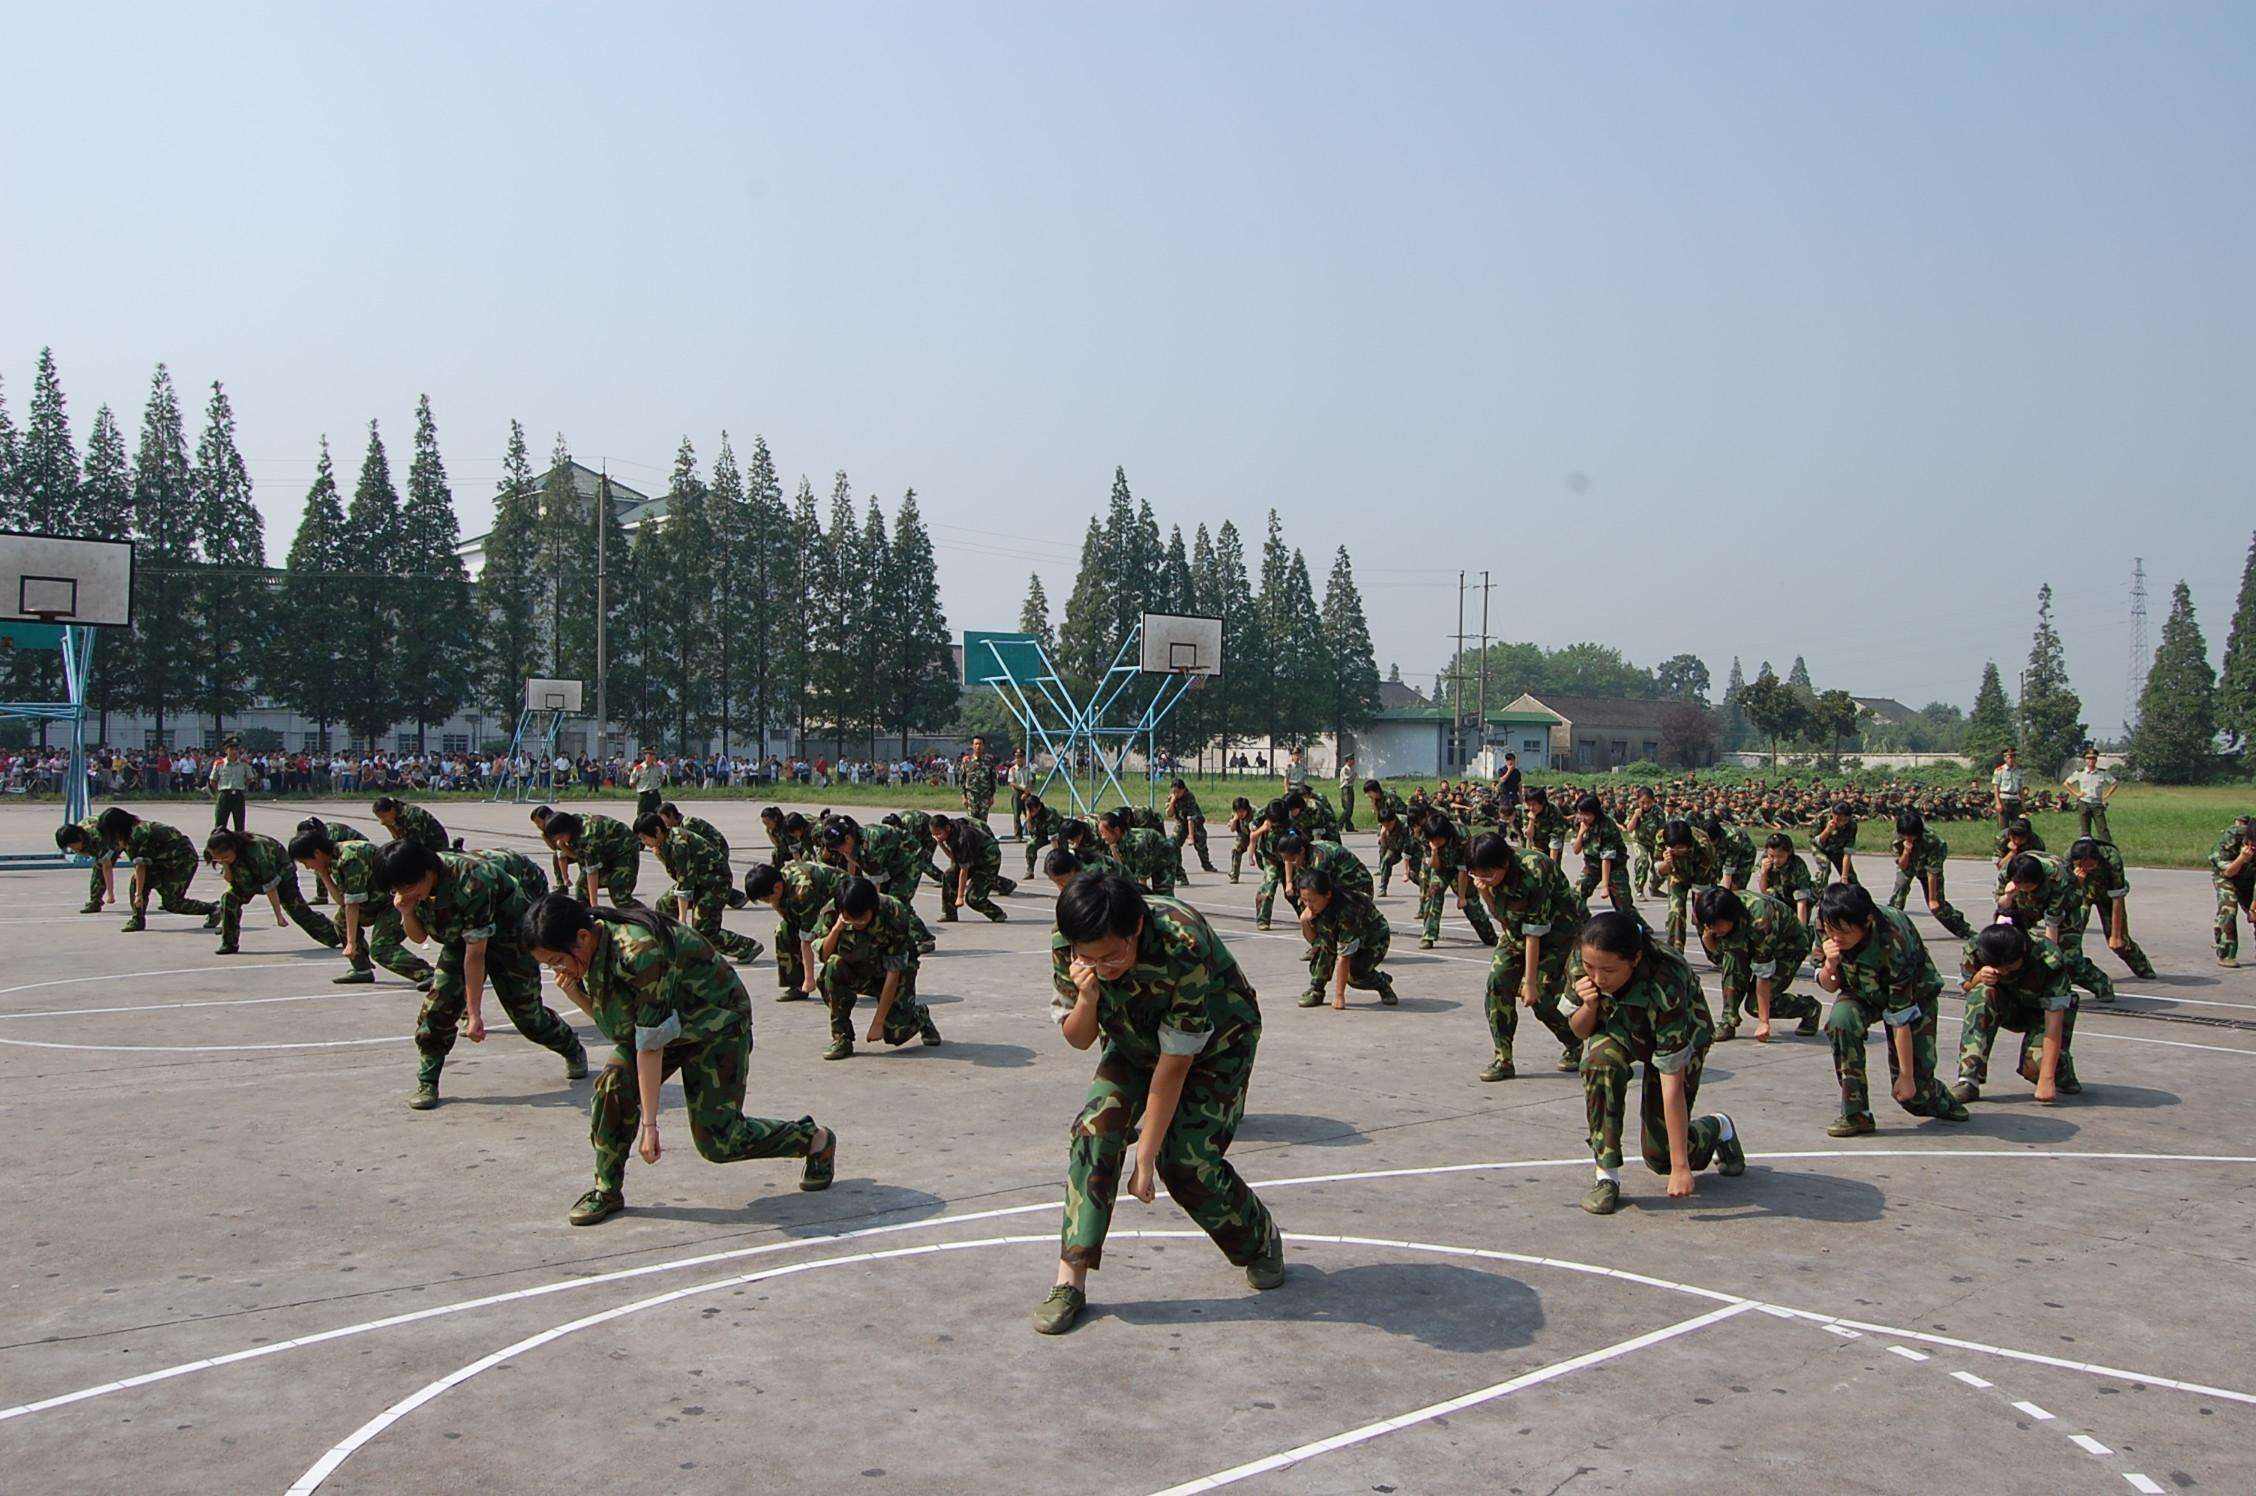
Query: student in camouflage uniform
x,y
1689,866
2043,894
1785,877
1075,836
2102,886
1041,826
2017,981
923,831
339,832
1641,1003
1879,970
975,868
1835,844
1644,830
371,926
887,856
606,852
1292,854
255,864
411,823
1539,917
1190,825
1147,854
668,1002
1758,945
801,893
1241,835
1444,872
1605,855
1347,939
1735,851
789,837
1179,1025
871,950
2014,838
1541,824
696,826
83,839
164,864
978,782
1347,787
2232,867
701,888
1920,855
475,911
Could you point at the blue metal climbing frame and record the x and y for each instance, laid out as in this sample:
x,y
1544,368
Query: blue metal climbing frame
x,y
77,648
1087,752
535,739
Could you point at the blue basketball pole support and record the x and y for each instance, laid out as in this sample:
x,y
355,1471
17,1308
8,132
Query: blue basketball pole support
x,y
540,741
1021,673
77,647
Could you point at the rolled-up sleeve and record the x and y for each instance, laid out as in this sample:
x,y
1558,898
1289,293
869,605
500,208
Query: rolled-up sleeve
x,y
1674,1061
1766,970
1902,1017
1173,1040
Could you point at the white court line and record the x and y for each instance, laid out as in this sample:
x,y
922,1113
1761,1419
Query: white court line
x,y
127,976
1835,1324
1431,1411
2143,1486
1907,1353
2088,1444
201,1048
1971,1380
2034,1411
357,990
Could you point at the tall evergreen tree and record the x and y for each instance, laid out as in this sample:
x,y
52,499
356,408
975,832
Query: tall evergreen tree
x,y
1034,615
880,638
1274,612
512,594
684,590
2175,741
1305,669
1206,708
437,655
165,646
2236,687
921,690
734,573
642,689
307,640
233,608
836,671
1347,634
1177,594
1989,727
372,546
2051,726
1734,723
46,481
1086,640
1241,704
105,510
799,584
1799,676
772,611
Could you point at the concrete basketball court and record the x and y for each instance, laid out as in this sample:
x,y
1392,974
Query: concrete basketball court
x,y
235,1261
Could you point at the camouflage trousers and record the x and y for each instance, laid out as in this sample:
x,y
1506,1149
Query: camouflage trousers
x,y
383,942
1680,897
97,880
979,893
790,973
1363,973
1931,887
1347,807
1985,1015
1034,846
1412,860
1192,1164
1238,849
977,806
1783,1003
1644,868
1739,872
2130,954
713,1074
1617,886
906,892
843,982
514,979
618,881
701,911
1265,898
1605,1094
167,883
1848,1026
303,915
1505,972
2233,900
1430,892
1194,832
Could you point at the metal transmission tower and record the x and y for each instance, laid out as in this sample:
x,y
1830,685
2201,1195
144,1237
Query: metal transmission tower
x,y
2134,679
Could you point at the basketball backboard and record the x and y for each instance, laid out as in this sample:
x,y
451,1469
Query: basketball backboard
x,y
543,695
1182,644
71,579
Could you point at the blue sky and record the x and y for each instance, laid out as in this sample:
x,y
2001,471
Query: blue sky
x,y
1860,320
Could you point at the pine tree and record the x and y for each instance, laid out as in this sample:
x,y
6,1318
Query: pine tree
x,y
1273,611
2175,741
46,481
1306,671
799,583
921,690
2051,729
1086,640
165,646
1245,648
1034,616
1354,672
436,660
836,671
232,604
1989,727
771,560
1124,581
1799,676
1206,709
105,509
370,597
511,591
2236,687
11,456
733,572
1394,673
879,636
638,645
1177,593
308,641
1734,719
685,601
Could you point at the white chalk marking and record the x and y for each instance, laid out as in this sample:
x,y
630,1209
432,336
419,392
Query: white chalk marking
x,y
1844,1334
1432,1411
127,976
2088,1444
202,1048
2034,1411
230,1002
1907,1353
1972,1380
2143,1486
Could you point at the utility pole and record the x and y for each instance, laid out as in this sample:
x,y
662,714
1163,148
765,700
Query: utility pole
x,y
602,609
1457,680
2134,680
1480,729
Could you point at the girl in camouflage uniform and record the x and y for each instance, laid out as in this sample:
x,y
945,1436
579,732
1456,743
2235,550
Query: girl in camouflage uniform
x,y
1540,916
1347,939
164,863
1444,872
1880,970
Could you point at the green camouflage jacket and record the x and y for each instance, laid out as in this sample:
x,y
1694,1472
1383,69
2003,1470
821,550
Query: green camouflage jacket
x,y
1184,995
1926,856
887,943
1537,902
605,842
1145,853
473,899
1661,1016
653,987
2227,848
258,868
1603,839
1351,923
1185,807
160,848
1342,864
1790,881
979,780
697,866
419,825
1892,972
986,854
1697,866
807,890
1831,844
2042,982
354,868
888,856
1769,943
699,826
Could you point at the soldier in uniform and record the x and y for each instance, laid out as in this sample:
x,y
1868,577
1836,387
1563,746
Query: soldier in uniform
x,y
1179,1024
1347,939
475,911
1639,1002
2232,867
1835,844
1444,872
2103,887
1735,851
254,864
1758,943
800,893
975,868
1041,821
887,856
1018,776
978,782
2043,894
1147,854
1543,827
83,839
339,832
696,826
164,864
605,851
2015,980
372,933
785,844
871,950
1539,916
648,778
1190,825
1880,972
411,823
1784,876
1644,827
1689,866
1241,835
702,885
1347,793
1604,855
671,1006
923,830
1920,855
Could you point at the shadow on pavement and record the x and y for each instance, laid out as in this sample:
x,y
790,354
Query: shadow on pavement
x,y
1299,1127
1440,1305
866,1202
1790,1194
2136,1098
2006,1123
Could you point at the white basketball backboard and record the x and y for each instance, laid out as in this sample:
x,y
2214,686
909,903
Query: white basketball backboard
x,y
66,579
1182,644
553,696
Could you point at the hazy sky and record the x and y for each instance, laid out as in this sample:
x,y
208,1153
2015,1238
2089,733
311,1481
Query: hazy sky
x,y
1860,320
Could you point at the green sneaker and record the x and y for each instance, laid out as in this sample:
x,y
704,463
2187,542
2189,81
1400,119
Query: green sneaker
x,y
1268,1270
1851,1127
1730,1158
822,1165
135,924
426,1097
1498,1070
354,978
1726,1032
1807,1028
1387,997
1312,999
1963,1091
1604,1198
794,995
929,1032
1061,1311
229,949
91,906
840,1049
1570,1060
575,1063
596,1206
2068,1085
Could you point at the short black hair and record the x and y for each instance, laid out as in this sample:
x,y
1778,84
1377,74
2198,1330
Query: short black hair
x,y
1779,841
1291,844
1060,863
313,823
386,802
400,863
2024,869
69,836
1316,880
1676,833
306,843
1616,934
1370,784
1489,851
670,809
1590,805
857,896
1717,904
650,823
760,880
1439,828
2019,826
2002,945
1846,904
226,839
1910,823
115,822
540,815
1099,904
770,813
2085,849
563,823
554,923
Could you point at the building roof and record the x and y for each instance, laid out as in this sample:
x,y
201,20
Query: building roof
x,y
630,504
1394,694
1425,711
1886,708
1595,713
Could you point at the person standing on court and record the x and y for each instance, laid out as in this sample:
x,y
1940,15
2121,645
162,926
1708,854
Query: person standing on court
x,y
978,782
649,781
1296,771
2093,787
231,787
2006,785
2232,867
1347,785
1020,777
